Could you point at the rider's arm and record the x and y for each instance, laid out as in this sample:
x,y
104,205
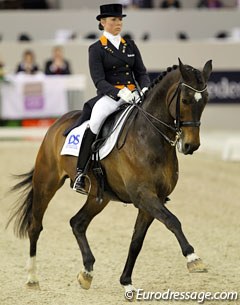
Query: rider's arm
x,y
97,72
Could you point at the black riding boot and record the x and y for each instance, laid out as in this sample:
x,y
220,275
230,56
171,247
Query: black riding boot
x,y
82,164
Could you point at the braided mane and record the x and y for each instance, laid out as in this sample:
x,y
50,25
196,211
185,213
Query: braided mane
x,y
161,76
197,75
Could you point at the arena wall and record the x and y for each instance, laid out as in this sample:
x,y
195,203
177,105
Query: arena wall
x,y
158,53
198,24
73,4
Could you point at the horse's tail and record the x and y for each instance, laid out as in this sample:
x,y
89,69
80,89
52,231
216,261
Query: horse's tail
x,y
22,210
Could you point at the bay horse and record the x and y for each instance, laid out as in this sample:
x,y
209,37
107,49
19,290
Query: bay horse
x,y
143,172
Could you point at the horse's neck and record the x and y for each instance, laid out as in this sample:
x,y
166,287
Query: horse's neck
x,y
157,103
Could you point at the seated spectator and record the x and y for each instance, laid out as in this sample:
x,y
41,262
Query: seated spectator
x,y
10,4
210,4
35,4
142,3
24,37
145,36
64,35
170,4
28,64
182,36
57,65
222,35
125,3
127,35
91,35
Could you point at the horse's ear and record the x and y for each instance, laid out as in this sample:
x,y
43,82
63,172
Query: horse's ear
x,y
179,62
183,71
207,70
181,65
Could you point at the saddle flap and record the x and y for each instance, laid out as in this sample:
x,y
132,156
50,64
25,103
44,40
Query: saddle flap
x,y
109,131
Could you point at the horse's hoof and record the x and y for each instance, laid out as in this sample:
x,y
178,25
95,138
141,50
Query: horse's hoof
x,y
196,266
84,279
130,293
33,285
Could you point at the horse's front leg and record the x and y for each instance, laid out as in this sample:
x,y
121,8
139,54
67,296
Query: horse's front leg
x,y
158,210
142,224
194,263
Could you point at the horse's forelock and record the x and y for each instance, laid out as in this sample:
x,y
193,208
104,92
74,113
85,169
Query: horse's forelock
x,y
196,75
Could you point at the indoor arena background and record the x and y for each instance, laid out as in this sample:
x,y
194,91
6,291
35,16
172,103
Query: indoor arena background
x,y
207,196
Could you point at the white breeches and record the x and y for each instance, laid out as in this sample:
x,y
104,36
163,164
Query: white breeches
x,y
101,110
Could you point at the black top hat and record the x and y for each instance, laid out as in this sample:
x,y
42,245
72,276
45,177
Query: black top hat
x,y
110,10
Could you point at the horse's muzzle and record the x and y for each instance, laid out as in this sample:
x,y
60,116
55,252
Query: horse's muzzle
x,y
189,148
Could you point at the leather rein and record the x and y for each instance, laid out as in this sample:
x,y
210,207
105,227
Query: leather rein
x,y
177,122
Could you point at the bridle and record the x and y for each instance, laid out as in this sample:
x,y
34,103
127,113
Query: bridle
x,y
177,123
152,119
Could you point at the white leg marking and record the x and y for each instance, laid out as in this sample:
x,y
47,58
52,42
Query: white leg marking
x,y
32,270
89,273
192,257
129,288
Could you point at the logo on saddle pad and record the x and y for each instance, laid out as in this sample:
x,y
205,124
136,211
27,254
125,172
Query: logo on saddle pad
x,y
73,141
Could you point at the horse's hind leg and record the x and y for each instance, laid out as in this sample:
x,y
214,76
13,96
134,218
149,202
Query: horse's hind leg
x,y
79,224
45,184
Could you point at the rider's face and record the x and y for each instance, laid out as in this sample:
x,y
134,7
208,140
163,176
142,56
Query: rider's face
x,y
112,25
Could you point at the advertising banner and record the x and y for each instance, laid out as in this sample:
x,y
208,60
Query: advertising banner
x,y
223,86
38,96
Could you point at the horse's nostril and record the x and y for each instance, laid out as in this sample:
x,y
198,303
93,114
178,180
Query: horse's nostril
x,y
190,148
187,147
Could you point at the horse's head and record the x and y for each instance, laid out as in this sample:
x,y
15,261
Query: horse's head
x,y
191,98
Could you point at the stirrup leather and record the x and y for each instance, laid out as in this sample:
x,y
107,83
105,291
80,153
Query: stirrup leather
x,y
79,184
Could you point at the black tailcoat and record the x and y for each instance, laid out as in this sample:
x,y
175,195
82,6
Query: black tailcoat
x,y
110,66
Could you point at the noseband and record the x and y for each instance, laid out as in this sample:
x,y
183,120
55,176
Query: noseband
x,y
178,122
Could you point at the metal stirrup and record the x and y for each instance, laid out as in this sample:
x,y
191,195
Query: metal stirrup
x,y
82,191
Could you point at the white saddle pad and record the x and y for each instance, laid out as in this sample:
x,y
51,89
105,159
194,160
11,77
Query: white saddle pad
x,y
74,138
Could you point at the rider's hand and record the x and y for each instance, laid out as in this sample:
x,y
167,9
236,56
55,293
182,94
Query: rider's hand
x,y
126,95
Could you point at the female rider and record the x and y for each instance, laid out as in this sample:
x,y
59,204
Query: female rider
x,y
116,68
